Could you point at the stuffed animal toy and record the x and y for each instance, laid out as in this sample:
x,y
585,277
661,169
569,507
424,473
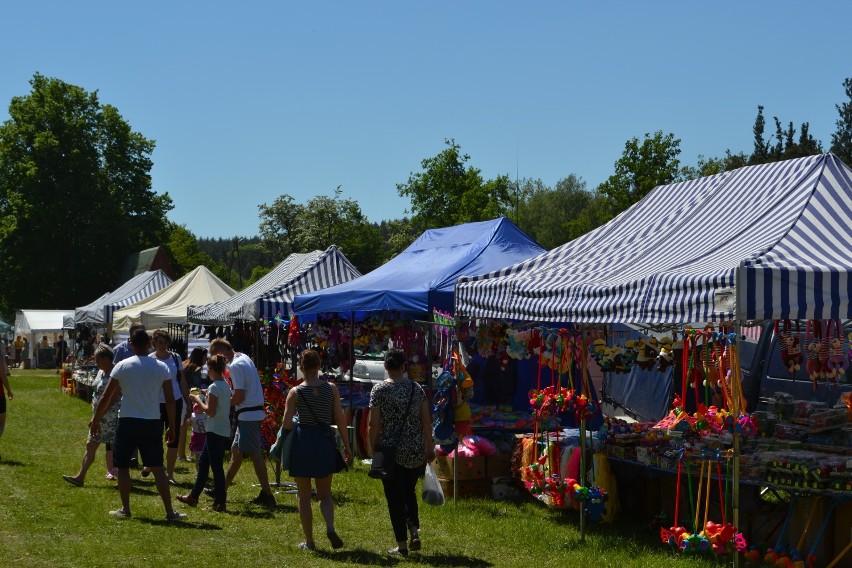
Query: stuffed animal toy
x,y
837,362
791,348
812,349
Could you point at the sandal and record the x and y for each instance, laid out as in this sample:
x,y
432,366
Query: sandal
x,y
397,551
188,500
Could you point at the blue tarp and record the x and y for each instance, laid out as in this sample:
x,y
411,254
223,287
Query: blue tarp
x,y
423,276
647,394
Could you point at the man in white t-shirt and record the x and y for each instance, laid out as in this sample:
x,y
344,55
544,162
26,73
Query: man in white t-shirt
x,y
139,380
248,403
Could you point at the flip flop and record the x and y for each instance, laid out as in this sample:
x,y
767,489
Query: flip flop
x,y
73,480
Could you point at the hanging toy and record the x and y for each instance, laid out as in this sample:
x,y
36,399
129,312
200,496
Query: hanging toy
x,y
791,348
837,362
813,365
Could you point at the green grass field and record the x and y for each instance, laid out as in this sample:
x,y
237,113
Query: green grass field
x,y
44,521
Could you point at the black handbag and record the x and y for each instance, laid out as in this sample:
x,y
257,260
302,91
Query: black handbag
x,y
383,465
339,463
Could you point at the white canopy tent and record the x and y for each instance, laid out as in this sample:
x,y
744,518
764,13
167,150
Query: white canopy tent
x,y
35,324
169,305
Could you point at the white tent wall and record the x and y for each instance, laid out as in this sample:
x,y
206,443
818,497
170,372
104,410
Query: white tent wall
x,y
35,324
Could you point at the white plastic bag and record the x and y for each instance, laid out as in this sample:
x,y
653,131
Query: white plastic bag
x,y
432,492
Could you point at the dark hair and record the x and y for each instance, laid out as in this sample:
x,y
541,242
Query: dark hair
x,y
160,334
217,363
195,360
136,325
310,359
140,337
394,359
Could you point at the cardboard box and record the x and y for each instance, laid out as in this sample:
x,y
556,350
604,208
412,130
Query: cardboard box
x,y
645,455
468,488
498,465
463,467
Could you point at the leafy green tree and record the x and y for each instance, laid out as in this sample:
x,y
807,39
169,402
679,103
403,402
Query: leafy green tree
x,y
74,177
187,255
449,192
553,216
278,226
398,234
841,140
327,221
711,166
257,273
641,168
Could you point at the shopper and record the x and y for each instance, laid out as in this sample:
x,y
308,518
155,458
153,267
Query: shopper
x,y
109,422
313,453
5,387
138,381
216,405
400,417
192,374
248,401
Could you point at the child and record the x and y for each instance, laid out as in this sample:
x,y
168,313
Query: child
x,y
199,432
216,405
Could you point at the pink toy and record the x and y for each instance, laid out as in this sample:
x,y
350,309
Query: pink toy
x,y
481,446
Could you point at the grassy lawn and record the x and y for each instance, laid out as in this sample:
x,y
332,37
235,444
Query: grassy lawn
x,y
46,522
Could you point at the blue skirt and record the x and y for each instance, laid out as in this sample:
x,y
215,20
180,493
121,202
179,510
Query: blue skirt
x,y
312,453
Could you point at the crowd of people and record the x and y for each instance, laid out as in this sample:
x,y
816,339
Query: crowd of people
x,y
144,395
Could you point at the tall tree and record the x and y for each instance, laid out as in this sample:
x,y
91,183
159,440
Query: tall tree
x,y
73,176
329,221
640,169
554,216
761,146
278,226
449,191
841,140
187,255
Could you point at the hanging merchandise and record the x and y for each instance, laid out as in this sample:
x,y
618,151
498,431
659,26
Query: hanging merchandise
x,y
813,340
837,362
791,347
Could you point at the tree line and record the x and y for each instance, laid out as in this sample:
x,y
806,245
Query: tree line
x,y
76,199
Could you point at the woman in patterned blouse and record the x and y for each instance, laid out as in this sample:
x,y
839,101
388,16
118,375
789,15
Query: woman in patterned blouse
x,y
400,417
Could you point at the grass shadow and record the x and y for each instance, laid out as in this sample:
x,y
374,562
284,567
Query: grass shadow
x,y
451,560
185,524
255,514
358,556
12,463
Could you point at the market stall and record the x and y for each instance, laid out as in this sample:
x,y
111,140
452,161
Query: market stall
x,y
396,301
36,324
99,312
768,242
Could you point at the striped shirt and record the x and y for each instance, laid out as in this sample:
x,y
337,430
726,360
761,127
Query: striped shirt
x,y
315,404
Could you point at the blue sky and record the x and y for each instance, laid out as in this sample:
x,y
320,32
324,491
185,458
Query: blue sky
x,y
251,100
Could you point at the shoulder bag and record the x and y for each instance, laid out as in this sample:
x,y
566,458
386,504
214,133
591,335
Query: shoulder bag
x,y
384,456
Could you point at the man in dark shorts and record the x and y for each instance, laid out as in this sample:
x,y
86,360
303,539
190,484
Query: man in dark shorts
x,y
138,380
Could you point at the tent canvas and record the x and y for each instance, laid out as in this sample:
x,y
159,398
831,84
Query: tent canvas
x,y
141,286
169,305
34,324
424,275
273,293
762,242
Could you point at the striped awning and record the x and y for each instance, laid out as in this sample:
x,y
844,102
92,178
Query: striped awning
x,y
99,312
297,274
763,242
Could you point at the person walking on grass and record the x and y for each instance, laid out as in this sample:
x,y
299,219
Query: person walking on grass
x,y
216,405
5,387
313,451
248,401
108,424
138,381
400,417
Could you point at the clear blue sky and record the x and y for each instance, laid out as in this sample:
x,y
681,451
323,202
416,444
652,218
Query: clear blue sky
x,y
248,101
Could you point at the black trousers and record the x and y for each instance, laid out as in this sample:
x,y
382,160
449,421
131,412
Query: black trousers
x,y
401,495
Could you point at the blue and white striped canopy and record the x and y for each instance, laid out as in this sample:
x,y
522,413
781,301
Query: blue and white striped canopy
x,y
299,273
772,241
99,312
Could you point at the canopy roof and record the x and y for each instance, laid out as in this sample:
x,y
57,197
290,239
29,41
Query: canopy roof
x,y
423,276
134,290
170,304
298,273
763,242
39,321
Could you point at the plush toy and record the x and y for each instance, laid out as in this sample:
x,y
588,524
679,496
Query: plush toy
x,y
791,348
837,363
812,351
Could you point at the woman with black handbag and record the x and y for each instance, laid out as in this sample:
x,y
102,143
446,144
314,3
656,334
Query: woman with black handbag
x,y
400,430
314,454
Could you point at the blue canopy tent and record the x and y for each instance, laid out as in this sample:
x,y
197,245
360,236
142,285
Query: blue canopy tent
x,y
762,242
423,276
